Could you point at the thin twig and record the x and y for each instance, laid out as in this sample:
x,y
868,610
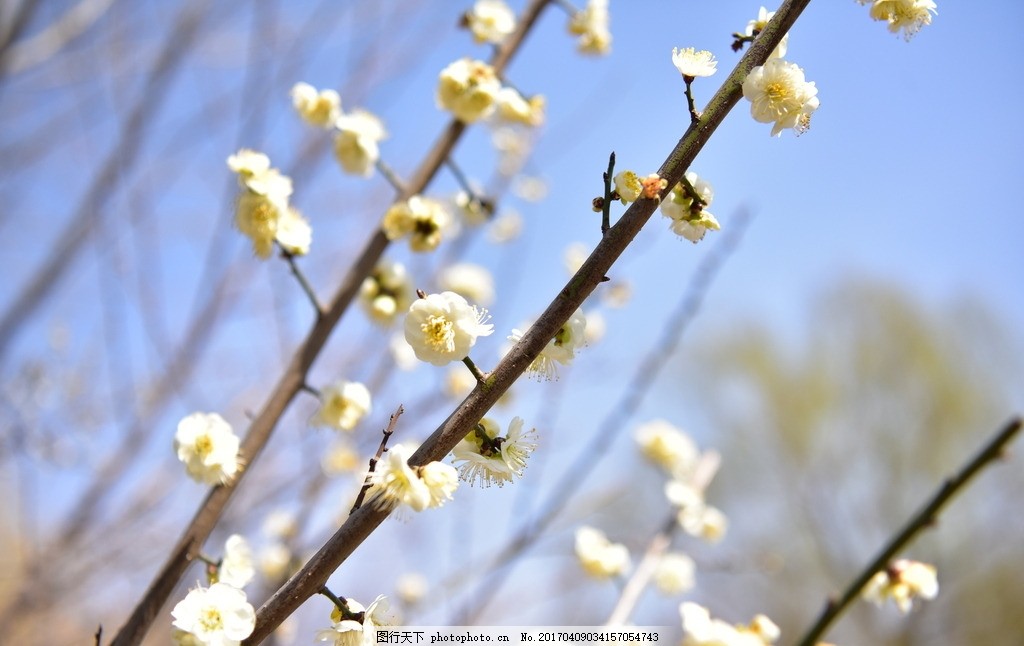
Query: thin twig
x,y
480,376
463,181
634,587
606,205
691,106
289,257
376,458
391,176
924,518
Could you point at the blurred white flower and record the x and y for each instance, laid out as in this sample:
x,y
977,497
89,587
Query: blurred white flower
x,y
293,232
422,219
320,108
394,482
591,25
356,142
343,405
469,280
411,588
514,108
902,581
386,292
490,21
599,557
667,446
236,568
506,227
468,89
674,573
208,447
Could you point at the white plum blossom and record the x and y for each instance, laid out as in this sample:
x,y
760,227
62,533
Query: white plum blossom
x,y
674,573
395,483
692,63
468,89
343,405
349,630
490,21
472,281
700,629
506,227
902,581
208,447
411,588
667,446
490,458
356,144
908,15
263,205
512,107
694,515
216,616
442,328
561,349
779,94
420,218
386,292
600,557
628,186
236,568
317,107
689,219
755,26
293,232
591,25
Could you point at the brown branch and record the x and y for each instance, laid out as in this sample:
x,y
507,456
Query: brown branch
x,y
924,518
376,458
290,383
307,581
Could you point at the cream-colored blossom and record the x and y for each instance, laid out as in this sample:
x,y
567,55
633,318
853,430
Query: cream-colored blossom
x,y
779,94
628,186
693,514
757,25
700,629
474,210
560,350
574,256
340,458
674,573
689,219
208,447
514,108
591,24
442,328
386,292
264,199
356,144
490,458
692,63
411,588
490,21
908,15
667,446
902,581
320,108
506,227
600,557
441,481
394,482
343,405
236,567
293,232
216,616
422,219
468,89
472,281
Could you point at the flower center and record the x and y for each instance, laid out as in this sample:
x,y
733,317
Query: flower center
x,y
204,445
210,619
440,333
777,91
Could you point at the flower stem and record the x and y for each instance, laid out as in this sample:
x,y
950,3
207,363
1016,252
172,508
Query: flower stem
x,y
309,389
606,206
694,117
480,376
376,458
925,517
390,175
337,601
463,181
306,287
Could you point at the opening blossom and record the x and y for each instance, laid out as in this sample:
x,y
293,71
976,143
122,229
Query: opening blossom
x,y
692,63
674,573
442,328
628,185
514,108
490,21
208,446
360,626
319,108
667,446
422,219
591,25
489,458
236,568
902,581
908,15
600,557
699,629
755,26
386,292
262,212
216,616
778,93
560,350
394,482
468,89
689,219
356,142
343,405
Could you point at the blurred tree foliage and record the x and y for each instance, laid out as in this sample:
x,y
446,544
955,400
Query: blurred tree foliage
x,y
832,440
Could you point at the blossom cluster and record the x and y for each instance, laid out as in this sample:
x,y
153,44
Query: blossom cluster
x,y
218,615
910,16
358,133
356,625
471,90
395,482
262,212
